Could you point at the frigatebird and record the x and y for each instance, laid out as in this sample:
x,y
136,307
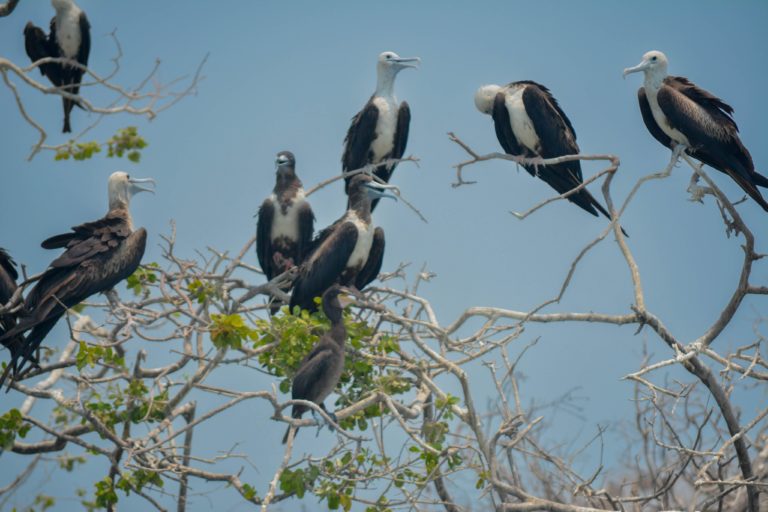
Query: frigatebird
x,y
97,256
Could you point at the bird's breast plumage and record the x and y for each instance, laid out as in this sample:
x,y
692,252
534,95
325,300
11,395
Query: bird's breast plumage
x,y
68,32
661,118
286,220
362,249
386,125
522,126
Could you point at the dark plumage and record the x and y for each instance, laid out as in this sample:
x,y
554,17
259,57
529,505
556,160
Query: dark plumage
x,y
8,277
349,252
69,37
687,114
97,256
380,130
321,369
286,222
530,123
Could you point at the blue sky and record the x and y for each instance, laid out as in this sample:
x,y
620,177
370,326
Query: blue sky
x,y
290,75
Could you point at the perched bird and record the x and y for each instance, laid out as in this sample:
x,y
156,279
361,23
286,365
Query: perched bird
x,y
97,256
286,222
8,277
349,252
70,38
321,369
379,131
677,111
530,123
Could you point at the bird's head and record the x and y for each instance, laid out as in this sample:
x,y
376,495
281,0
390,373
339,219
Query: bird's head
x,y
61,4
285,164
121,187
364,185
484,98
654,64
390,62
284,160
338,297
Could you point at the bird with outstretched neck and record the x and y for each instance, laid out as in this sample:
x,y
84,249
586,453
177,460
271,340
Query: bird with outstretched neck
x,y
321,369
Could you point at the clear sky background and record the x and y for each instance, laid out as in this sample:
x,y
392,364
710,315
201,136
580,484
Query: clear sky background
x,y
290,75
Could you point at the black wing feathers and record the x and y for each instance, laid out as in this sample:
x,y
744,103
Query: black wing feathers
x,y
357,143
264,237
372,266
324,265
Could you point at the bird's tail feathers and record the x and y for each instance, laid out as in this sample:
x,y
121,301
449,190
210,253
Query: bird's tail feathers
x,y
759,180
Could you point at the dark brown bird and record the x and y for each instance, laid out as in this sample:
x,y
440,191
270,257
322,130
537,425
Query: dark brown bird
x,y
97,256
321,369
677,111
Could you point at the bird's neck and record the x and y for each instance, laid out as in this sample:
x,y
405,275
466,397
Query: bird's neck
x,y
654,80
361,208
338,331
286,181
385,82
120,210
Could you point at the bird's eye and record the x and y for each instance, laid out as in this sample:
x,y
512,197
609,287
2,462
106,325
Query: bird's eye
x,y
389,57
654,58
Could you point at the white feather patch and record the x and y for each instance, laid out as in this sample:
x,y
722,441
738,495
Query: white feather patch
x,y
386,125
287,224
522,126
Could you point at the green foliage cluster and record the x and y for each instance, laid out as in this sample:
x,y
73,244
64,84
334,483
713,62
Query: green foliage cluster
x,y
133,404
126,141
334,480
90,355
230,331
201,291
12,425
145,275
136,480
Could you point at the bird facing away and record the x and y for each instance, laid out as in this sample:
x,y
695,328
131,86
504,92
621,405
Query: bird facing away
x,y
286,222
380,130
8,277
321,369
677,111
530,123
348,252
70,37
97,256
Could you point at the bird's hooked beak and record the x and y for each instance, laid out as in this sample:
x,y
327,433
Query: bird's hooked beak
x,y
136,186
378,190
348,296
280,162
636,69
407,62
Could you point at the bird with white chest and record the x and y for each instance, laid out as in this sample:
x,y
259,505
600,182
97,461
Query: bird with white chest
x,y
349,252
380,130
530,123
285,221
681,115
69,37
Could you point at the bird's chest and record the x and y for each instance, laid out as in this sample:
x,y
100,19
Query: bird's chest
x,y
68,33
286,223
359,255
522,126
386,125
661,118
